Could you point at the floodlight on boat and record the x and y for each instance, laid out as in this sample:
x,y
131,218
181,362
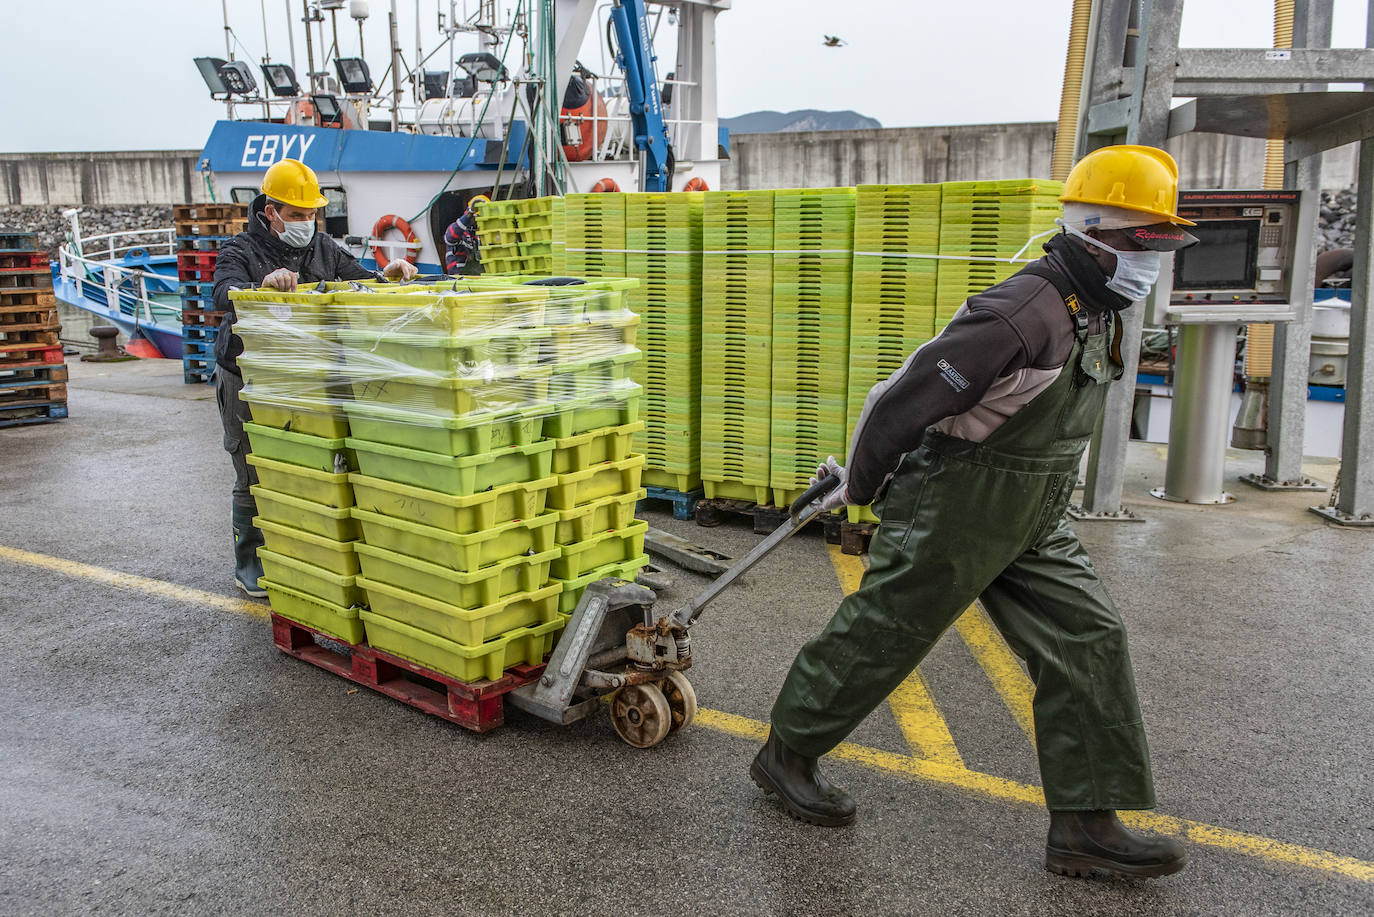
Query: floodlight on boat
x,y
353,74
483,66
209,72
435,84
327,110
238,78
281,79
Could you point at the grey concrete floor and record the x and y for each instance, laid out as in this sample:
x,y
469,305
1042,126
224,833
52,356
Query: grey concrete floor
x,y
159,755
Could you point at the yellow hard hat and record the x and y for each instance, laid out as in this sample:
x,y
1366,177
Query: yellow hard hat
x,y
472,201
293,182
1139,178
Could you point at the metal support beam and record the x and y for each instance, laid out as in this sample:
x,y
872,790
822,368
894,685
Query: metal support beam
x,y
1259,65
1355,504
1159,27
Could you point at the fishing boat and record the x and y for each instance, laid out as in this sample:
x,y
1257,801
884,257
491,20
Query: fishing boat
x,y
400,164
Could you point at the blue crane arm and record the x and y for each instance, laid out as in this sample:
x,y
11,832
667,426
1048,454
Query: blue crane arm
x,y
635,56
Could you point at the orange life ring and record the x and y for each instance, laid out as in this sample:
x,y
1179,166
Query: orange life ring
x,y
392,221
696,184
606,184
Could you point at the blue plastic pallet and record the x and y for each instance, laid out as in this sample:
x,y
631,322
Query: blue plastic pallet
x,y
197,288
684,504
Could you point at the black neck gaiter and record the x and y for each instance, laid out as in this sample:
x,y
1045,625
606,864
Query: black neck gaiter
x,y
1085,274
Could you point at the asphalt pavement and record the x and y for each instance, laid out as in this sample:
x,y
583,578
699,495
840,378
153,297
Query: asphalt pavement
x,y
160,755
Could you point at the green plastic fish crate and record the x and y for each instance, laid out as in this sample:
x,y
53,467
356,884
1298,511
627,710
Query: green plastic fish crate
x,y
478,589
590,519
384,352
615,408
295,415
528,645
327,455
447,309
460,515
578,487
331,490
326,617
466,434
306,578
616,546
326,521
460,476
503,389
464,553
470,627
335,556
609,444
573,588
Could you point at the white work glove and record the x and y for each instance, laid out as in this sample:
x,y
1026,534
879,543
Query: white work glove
x,y
281,279
840,495
399,269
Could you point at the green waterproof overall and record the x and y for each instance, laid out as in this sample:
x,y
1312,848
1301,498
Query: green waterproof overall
x,y
964,521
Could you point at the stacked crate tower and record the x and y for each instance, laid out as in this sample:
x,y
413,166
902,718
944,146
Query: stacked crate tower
x,y
813,239
485,457
736,344
516,236
201,229
663,252
892,306
988,223
33,371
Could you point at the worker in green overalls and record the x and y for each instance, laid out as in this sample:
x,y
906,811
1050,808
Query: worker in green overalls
x,y
972,450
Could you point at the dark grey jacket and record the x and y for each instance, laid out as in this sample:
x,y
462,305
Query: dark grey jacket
x,y
1002,348
254,253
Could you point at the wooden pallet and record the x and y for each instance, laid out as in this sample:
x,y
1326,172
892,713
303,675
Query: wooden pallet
x,y
203,245
202,318
33,375
39,334
23,261
852,537
16,393
183,213
28,412
16,356
479,706
210,227
26,279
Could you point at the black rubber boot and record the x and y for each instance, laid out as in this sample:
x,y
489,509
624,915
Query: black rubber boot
x,y
800,785
247,540
1083,842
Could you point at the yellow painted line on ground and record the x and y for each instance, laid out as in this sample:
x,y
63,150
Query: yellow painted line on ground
x,y
999,788
920,720
1001,666
929,770
129,581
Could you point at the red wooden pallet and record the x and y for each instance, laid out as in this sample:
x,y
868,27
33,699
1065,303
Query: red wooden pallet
x,y
209,318
478,705
23,261
193,262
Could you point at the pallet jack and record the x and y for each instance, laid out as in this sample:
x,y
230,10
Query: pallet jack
x,y
617,647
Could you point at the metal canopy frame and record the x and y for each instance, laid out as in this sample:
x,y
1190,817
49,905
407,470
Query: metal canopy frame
x,y
1133,72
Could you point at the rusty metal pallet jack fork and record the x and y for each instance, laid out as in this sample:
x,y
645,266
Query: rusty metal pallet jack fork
x,y
616,644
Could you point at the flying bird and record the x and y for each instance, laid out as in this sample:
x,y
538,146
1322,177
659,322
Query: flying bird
x,y
834,41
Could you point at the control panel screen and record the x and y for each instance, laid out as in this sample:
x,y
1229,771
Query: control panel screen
x,y
1223,259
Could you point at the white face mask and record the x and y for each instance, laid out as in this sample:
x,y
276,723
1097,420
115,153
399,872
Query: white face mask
x,y
1136,272
298,233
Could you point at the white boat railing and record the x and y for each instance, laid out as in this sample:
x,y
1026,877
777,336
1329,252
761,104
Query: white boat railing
x,y
125,288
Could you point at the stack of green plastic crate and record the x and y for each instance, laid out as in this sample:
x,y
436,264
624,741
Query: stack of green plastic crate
x,y
298,439
498,233
736,344
892,306
813,237
663,242
558,260
452,389
988,223
594,233
534,222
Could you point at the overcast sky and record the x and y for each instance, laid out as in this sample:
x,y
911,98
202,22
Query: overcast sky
x,y
117,74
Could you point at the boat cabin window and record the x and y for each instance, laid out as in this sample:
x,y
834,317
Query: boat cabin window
x,y
243,195
335,212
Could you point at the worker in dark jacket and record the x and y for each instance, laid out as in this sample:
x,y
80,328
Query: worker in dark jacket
x,y
972,449
278,250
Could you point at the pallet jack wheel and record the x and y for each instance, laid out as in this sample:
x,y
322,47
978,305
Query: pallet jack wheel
x,y
708,516
641,715
682,700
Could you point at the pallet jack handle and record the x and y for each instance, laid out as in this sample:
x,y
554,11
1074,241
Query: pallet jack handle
x,y
802,511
